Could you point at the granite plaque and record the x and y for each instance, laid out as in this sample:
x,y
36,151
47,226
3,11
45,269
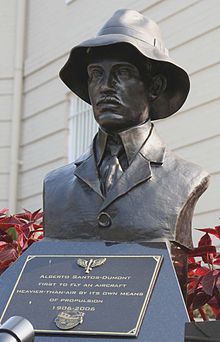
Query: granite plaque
x,y
83,294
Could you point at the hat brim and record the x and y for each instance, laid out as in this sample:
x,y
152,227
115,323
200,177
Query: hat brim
x,y
74,73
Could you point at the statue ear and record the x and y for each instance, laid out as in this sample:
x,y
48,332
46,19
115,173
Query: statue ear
x,y
157,87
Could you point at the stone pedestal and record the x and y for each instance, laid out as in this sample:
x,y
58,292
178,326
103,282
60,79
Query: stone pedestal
x,y
165,315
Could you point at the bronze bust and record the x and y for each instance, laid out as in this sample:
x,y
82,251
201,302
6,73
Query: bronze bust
x,y
128,186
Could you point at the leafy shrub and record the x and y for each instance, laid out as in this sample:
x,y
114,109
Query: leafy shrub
x,y
203,292
17,233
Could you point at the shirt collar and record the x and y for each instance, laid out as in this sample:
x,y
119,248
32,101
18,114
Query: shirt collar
x,y
132,139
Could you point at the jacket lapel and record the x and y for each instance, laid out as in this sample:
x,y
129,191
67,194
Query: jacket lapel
x,y
154,148
138,172
86,170
152,152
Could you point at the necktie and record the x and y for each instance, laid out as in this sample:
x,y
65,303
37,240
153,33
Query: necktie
x,y
110,169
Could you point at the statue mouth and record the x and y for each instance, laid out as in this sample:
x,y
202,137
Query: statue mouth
x,y
109,100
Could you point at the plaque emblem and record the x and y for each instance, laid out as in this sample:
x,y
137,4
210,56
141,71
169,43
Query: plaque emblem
x,y
90,264
69,319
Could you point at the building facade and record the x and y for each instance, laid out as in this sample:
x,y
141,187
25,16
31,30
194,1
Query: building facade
x,y
44,126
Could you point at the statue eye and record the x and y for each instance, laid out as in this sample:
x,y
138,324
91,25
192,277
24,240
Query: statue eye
x,y
95,73
124,72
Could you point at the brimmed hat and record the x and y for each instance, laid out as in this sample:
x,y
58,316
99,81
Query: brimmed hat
x,y
131,27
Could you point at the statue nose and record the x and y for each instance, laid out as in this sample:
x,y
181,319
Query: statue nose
x,y
108,81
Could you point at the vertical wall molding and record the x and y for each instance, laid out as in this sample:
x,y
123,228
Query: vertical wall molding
x,y
17,103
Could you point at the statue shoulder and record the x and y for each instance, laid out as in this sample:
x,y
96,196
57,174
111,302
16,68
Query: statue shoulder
x,y
66,171
188,172
60,173
191,182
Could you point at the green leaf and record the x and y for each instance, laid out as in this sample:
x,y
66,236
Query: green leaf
x,y
13,233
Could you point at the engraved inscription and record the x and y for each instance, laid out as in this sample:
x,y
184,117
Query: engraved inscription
x,y
60,293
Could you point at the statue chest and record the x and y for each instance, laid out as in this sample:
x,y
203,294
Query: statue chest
x,y
147,211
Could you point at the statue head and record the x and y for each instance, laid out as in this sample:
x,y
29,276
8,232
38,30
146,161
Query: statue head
x,y
121,86
125,72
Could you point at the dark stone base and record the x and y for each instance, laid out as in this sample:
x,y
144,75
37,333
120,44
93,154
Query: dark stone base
x,y
202,331
166,313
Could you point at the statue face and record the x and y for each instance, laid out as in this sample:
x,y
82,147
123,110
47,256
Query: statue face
x,y
117,93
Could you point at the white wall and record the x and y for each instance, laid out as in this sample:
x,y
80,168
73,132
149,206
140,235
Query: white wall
x,y
7,40
191,30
